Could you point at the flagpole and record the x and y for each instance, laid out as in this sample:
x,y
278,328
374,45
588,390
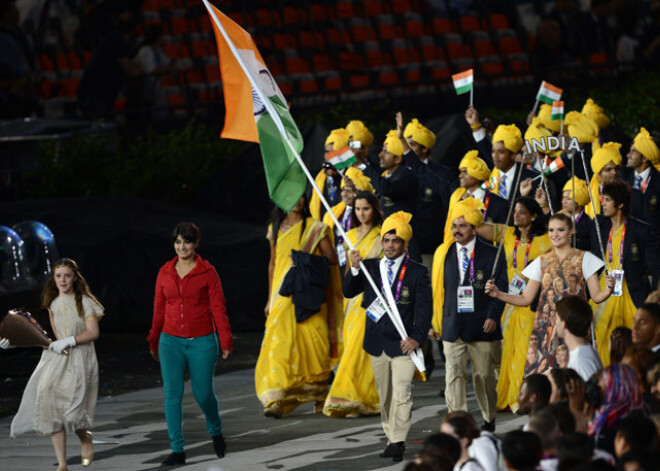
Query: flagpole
x,y
536,105
472,95
593,206
392,311
508,216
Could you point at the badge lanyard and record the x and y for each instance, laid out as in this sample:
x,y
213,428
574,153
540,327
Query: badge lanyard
x,y
609,244
486,203
578,217
471,269
404,267
515,250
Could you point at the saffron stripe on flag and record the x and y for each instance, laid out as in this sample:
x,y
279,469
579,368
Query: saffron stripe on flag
x,y
342,158
557,110
548,93
463,81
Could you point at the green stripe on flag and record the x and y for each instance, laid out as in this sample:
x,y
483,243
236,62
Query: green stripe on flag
x,y
463,89
286,179
545,99
557,116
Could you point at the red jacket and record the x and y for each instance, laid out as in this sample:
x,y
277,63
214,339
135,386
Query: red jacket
x,y
190,307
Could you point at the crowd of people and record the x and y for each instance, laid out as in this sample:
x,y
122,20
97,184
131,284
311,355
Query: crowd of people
x,y
532,272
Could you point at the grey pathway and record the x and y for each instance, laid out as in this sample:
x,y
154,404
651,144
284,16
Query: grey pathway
x,y
130,434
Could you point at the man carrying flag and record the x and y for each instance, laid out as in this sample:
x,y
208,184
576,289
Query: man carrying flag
x,y
408,286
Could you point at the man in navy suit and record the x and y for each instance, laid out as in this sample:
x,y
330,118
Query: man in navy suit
x,y
644,155
406,284
468,318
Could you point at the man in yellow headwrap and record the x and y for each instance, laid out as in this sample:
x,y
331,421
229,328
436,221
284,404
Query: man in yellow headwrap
x,y
328,179
359,139
644,159
545,119
397,186
595,112
574,207
465,317
473,172
605,165
408,289
435,185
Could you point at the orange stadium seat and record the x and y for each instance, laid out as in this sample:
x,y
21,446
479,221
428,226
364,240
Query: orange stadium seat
x,y
498,21
471,24
413,75
345,10
444,26
293,16
405,56
403,6
337,37
440,71
415,28
484,48
351,61
321,13
377,59
431,52
388,77
307,84
267,17
311,39
389,31
374,8
362,33
359,81
322,63
69,87
212,72
297,66
493,67
510,46
285,88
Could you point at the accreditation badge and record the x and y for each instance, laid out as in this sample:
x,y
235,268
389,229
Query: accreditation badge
x,y
517,285
341,255
376,310
465,297
618,282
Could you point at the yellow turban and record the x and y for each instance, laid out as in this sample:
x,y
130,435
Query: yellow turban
x,y
400,223
644,144
581,191
469,208
359,132
608,152
581,126
476,167
393,143
538,132
361,181
596,113
419,133
545,119
510,135
338,138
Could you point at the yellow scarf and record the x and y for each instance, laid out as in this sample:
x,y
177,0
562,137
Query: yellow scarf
x,y
438,283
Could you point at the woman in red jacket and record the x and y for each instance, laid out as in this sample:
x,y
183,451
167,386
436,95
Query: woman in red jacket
x,y
189,317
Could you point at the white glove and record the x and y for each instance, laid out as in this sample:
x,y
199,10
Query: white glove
x,y
5,344
58,346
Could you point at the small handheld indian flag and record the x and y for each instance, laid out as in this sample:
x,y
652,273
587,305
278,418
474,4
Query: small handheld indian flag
x,y
464,82
552,166
548,93
557,110
341,158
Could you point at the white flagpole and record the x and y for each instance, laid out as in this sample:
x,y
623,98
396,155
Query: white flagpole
x,y
417,355
472,95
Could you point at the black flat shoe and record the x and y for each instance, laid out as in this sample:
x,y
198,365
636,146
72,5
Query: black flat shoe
x,y
488,426
175,458
219,446
388,451
397,452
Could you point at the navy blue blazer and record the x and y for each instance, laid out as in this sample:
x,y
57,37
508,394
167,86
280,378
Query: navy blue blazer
x,y
635,252
469,325
435,189
415,305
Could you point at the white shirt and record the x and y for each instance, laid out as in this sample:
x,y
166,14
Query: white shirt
x,y
549,464
585,361
459,256
478,194
486,450
479,134
644,175
383,263
468,466
590,265
656,348
510,180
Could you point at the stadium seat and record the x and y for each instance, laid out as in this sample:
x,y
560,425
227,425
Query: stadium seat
x,y
483,49
471,24
337,37
444,26
415,28
388,77
377,59
297,66
403,6
333,83
362,33
351,61
498,21
69,87
374,8
311,39
345,10
405,56
322,63
320,13
494,67
212,72
439,71
359,81
293,16
307,84
510,46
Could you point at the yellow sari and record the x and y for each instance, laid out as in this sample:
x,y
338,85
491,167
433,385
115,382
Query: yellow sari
x,y
617,310
517,322
353,390
334,292
294,361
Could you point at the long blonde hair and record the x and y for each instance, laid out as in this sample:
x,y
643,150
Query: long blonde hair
x,y
80,287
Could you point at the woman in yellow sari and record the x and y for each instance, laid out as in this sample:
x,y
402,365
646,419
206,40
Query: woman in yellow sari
x,y
353,392
294,362
523,242
625,240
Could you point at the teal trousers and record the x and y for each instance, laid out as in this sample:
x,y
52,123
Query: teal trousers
x,y
199,356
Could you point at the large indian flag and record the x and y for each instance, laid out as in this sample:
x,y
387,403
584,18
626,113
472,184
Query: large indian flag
x,y
463,81
548,93
256,110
